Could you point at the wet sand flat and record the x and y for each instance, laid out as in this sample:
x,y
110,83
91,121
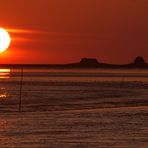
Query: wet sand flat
x,y
74,109
125,127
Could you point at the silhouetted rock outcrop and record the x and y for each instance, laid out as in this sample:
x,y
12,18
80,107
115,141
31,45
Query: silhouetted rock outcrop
x,y
89,62
139,61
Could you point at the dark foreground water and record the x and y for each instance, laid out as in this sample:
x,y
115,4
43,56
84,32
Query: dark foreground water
x,y
74,108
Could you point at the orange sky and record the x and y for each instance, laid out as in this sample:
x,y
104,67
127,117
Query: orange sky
x,y
63,31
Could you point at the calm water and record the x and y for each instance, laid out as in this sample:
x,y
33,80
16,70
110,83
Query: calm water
x,y
74,108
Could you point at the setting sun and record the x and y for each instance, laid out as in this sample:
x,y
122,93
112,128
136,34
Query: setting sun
x,y
4,40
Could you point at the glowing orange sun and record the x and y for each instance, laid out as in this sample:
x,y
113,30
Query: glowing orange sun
x,y
4,39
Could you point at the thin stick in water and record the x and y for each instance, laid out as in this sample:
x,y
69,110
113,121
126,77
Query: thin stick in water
x,y
21,86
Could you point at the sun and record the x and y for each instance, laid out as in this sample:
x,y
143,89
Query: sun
x,y
4,40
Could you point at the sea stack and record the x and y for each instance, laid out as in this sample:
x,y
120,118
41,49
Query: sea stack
x,y
139,61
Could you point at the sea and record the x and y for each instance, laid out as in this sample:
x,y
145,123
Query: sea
x,y
73,108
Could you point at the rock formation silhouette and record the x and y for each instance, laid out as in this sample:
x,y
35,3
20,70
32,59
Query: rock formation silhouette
x,y
89,62
139,61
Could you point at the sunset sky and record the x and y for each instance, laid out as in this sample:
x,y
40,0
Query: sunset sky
x,y
64,31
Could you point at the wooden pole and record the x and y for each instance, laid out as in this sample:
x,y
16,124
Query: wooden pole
x,y
21,86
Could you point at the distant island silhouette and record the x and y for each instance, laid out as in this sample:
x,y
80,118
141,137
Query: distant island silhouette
x,y
138,62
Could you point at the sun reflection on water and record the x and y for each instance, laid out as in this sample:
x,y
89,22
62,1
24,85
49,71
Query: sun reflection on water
x,y
3,94
4,73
